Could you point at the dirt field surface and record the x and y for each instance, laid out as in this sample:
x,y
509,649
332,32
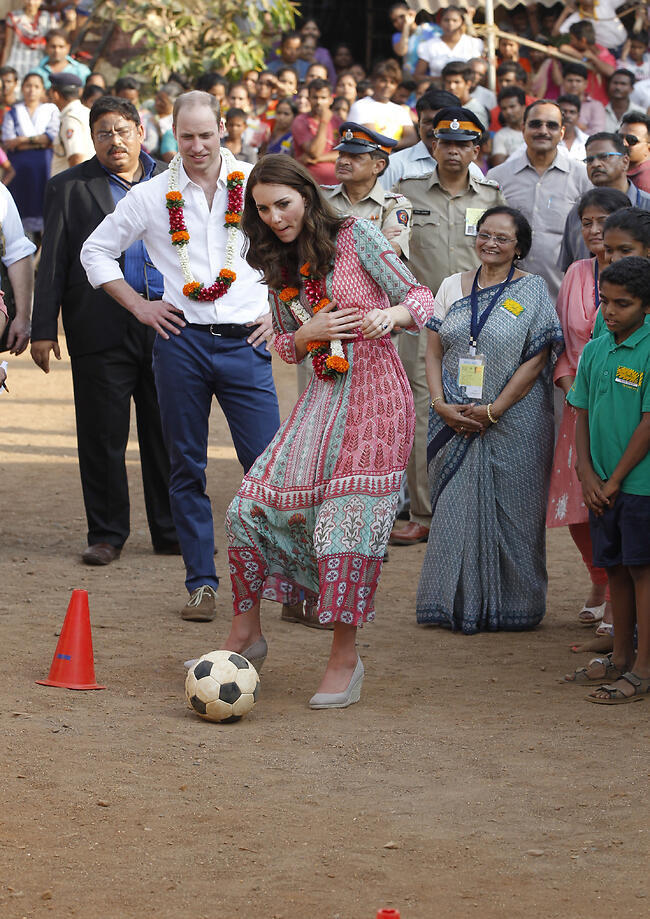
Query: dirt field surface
x,y
468,782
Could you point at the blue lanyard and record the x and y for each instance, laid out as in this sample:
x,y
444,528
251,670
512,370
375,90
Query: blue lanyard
x,y
477,324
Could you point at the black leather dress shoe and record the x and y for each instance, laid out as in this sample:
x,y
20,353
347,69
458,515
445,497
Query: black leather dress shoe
x,y
100,553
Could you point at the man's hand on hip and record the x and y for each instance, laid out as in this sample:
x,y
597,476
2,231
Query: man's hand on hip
x,y
161,316
263,330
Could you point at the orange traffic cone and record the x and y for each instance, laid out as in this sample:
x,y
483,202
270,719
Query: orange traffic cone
x,y
72,664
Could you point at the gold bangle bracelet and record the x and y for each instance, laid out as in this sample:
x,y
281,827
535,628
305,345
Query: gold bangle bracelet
x,y
437,399
489,414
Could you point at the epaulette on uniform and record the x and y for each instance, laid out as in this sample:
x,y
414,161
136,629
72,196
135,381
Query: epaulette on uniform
x,y
420,175
492,182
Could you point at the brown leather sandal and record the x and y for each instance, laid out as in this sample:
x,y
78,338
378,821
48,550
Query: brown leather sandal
x,y
581,677
615,696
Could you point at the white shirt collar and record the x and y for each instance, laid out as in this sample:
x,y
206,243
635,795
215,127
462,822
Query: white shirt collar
x,y
421,151
519,160
184,180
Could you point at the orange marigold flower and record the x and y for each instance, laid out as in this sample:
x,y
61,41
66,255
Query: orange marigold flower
x,y
232,217
321,304
227,274
173,196
316,345
304,271
180,236
189,288
236,176
288,293
337,363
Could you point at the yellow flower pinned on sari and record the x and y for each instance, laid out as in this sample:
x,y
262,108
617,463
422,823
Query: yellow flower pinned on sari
x,y
513,307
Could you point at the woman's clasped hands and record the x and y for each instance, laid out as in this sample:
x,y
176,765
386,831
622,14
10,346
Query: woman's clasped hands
x,y
330,323
465,419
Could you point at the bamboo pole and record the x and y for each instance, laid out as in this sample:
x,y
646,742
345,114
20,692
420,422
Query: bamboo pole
x,y
547,49
491,45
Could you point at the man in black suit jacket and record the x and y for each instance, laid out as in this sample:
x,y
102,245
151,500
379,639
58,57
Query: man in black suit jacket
x,y
110,350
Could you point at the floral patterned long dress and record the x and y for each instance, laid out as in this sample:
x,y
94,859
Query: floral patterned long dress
x,y
313,515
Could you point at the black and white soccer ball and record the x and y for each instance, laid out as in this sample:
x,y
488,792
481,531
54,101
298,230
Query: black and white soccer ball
x,y
222,686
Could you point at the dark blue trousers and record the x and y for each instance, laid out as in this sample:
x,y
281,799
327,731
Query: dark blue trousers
x,y
189,370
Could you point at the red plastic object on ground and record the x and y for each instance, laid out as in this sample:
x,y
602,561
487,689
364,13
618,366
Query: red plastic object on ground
x,y
72,665
388,914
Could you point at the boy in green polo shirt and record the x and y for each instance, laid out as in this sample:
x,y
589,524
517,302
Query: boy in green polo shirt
x,y
612,395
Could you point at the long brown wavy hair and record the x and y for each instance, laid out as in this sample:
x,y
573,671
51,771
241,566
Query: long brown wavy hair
x,y
279,262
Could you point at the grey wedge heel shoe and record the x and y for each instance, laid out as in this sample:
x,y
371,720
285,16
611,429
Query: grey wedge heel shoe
x,y
341,699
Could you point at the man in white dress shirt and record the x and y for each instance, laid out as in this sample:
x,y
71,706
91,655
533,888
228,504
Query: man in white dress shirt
x,y
204,346
16,252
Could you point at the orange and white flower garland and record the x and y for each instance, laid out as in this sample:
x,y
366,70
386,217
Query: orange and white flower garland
x,y
327,356
194,289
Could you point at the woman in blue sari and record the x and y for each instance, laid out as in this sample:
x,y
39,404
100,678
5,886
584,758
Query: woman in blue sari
x,y
491,344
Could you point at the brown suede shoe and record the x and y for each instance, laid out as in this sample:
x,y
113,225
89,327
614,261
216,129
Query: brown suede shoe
x,y
100,553
409,535
202,605
298,613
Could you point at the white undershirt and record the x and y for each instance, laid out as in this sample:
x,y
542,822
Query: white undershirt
x,y
449,291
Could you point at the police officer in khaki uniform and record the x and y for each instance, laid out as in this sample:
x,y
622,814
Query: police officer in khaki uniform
x,y
363,157
74,144
446,206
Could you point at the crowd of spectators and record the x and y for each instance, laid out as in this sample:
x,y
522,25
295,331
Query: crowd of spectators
x,y
568,117
296,104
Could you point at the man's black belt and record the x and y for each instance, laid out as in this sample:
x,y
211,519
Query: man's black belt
x,y
223,329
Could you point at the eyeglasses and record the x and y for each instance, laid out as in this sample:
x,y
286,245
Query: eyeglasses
x,y
600,156
536,123
122,133
499,240
630,139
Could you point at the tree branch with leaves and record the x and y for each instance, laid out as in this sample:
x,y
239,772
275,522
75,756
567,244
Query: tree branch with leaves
x,y
195,36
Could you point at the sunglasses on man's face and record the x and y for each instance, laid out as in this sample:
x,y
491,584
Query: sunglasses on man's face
x,y
536,124
630,139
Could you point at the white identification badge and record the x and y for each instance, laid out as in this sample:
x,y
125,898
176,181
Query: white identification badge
x,y
472,216
471,370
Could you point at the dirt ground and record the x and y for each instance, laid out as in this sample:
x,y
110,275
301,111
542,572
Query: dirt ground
x,y
468,782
